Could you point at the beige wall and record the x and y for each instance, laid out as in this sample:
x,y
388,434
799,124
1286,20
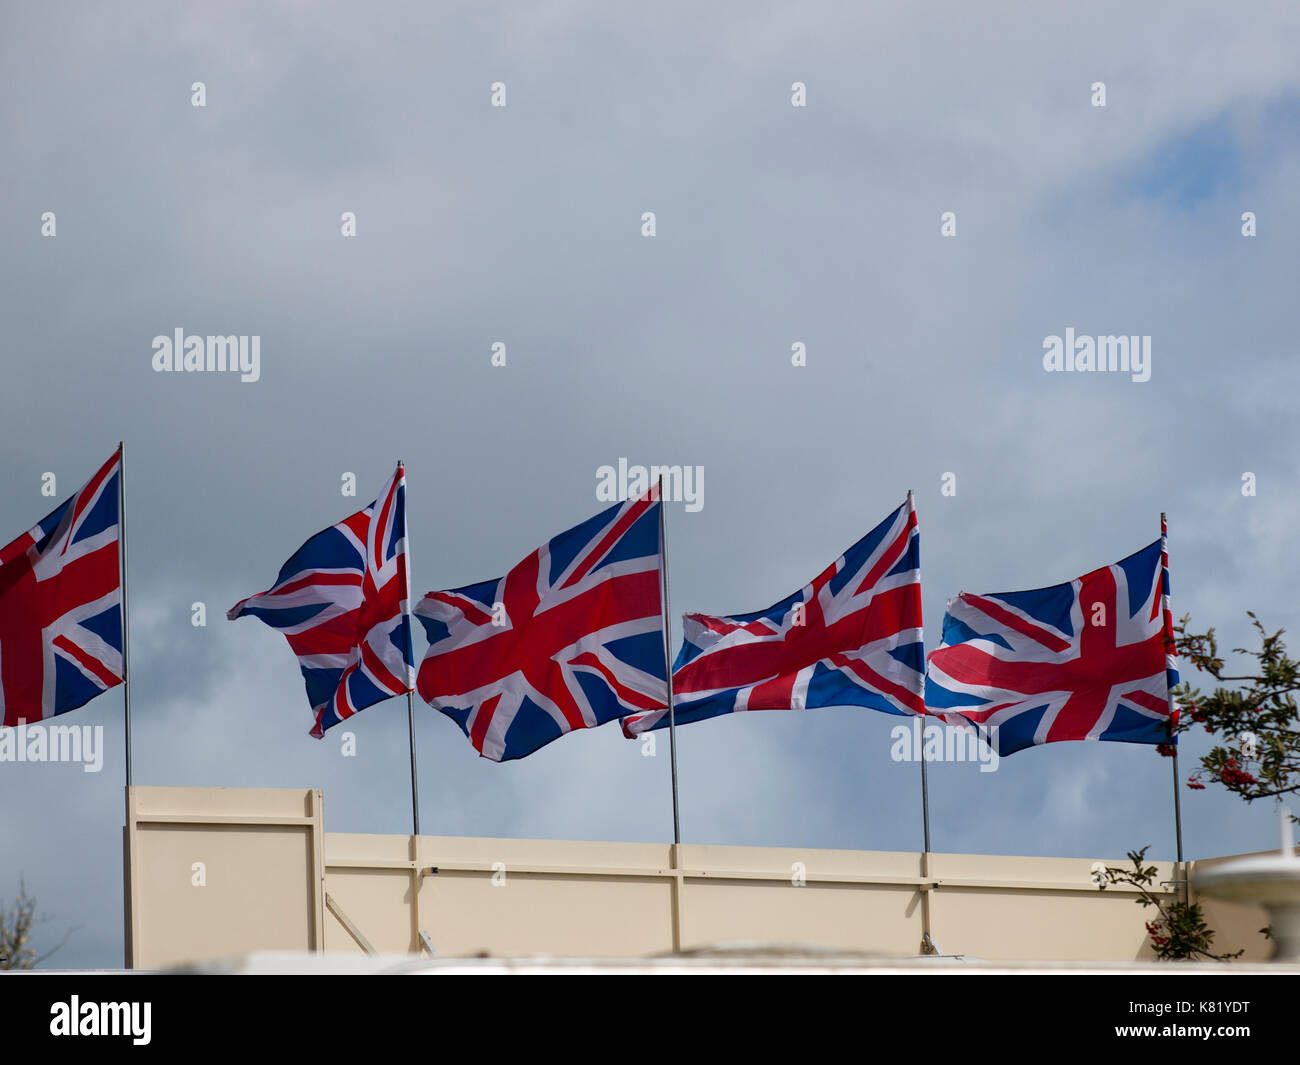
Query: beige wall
x,y
276,880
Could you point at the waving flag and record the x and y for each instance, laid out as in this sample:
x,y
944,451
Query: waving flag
x,y
61,606
570,638
342,602
852,637
1088,660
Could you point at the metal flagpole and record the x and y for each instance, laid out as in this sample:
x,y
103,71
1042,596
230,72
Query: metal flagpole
x,y
415,783
126,613
925,784
410,698
1178,813
927,943
925,795
668,661
1178,809
128,951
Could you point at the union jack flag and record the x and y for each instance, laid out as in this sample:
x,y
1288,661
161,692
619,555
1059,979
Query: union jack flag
x,y
852,637
1092,659
570,638
342,602
61,605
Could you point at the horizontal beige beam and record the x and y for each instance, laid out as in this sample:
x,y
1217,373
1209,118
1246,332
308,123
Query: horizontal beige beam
x,y
219,819
651,873
1040,885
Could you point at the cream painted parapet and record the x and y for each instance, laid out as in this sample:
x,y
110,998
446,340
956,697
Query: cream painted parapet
x,y
566,898
272,879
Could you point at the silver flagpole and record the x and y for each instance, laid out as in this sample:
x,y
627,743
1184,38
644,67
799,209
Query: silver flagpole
x,y
126,613
925,784
415,783
128,952
927,942
1178,813
668,661
925,795
1178,809
410,698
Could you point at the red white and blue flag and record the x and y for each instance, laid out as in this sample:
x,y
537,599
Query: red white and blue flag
x,y
570,638
1092,659
853,637
61,605
343,603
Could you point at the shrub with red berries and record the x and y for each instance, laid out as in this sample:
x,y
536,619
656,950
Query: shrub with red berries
x,y
1252,721
1179,932
1258,703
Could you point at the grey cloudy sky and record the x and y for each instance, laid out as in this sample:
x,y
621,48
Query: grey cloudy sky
x,y
775,224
